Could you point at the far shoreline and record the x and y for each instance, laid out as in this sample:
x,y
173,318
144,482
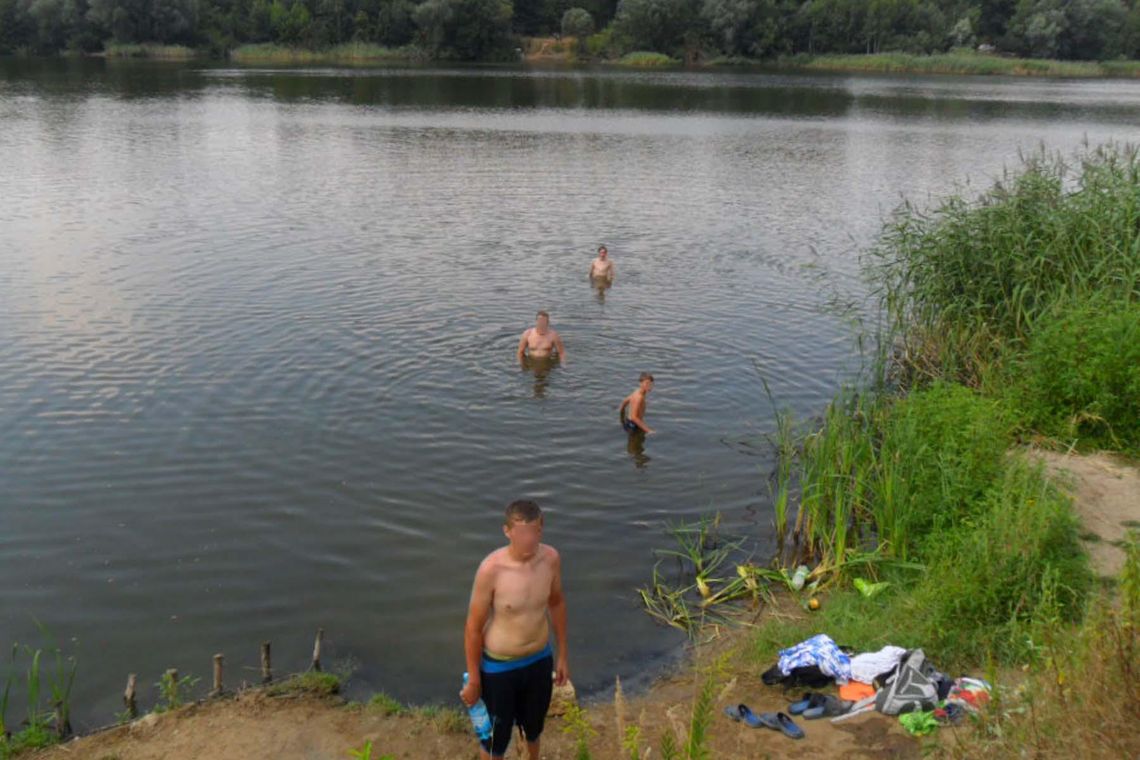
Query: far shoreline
x,y
954,63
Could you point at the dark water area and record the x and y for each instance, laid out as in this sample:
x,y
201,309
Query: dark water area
x,y
257,332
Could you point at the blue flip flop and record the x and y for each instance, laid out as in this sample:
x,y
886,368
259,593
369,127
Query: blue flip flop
x,y
795,708
789,727
751,719
827,707
741,713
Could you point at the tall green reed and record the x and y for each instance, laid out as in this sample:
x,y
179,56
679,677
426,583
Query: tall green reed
x,y
963,282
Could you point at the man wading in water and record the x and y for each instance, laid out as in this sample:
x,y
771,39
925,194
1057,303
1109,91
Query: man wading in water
x,y
507,636
540,341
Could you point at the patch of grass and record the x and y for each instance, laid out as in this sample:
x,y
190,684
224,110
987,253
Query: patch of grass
x,y
1079,378
386,705
692,598
577,724
350,52
448,720
644,58
962,62
1082,700
149,50
989,586
172,691
44,723
313,683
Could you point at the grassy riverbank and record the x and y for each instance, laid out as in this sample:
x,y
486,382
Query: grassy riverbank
x,y
962,63
349,53
920,500
599,49
1010,319
152,51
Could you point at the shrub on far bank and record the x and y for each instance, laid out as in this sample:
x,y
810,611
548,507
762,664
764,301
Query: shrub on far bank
x,y
642,58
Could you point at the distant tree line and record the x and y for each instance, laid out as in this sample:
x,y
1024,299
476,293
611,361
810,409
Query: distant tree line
x,y
488,29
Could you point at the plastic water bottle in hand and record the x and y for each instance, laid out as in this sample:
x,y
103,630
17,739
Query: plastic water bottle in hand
x,y
480,718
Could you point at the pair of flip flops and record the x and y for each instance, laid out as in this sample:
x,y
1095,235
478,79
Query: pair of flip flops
x,y
775,721
814,706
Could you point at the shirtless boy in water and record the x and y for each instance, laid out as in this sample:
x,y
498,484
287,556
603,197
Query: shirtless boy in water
x,y
540,341
516,600
601,267
635,403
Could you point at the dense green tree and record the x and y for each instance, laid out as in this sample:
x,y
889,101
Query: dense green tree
x,y
666,26
577,22
394,22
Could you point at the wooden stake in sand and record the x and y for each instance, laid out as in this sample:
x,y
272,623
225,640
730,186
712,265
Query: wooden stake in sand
x,y
266,670
317,649
129,697
217,690
62,721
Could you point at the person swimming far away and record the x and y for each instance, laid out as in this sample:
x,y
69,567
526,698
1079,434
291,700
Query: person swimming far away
x,y
541,341
632,409
602,268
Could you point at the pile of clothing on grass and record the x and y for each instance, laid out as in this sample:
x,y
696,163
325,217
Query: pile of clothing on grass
x,y
892,681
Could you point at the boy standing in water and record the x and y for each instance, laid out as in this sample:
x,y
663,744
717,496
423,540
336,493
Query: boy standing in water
x,y
602,268
516,600
635,402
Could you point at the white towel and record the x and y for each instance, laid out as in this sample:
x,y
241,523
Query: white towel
x,y
864,667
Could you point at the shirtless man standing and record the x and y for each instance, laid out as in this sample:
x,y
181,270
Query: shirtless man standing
x,y
601,267
516,600
540,341
634,421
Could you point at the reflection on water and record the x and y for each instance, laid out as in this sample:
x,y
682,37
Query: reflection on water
x,y
601,285
635,447
256,331
540,367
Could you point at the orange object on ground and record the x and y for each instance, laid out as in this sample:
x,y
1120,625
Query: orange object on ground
x,y
855,690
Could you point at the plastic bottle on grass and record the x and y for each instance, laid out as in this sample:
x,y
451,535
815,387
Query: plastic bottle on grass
x,y
480,718
799,578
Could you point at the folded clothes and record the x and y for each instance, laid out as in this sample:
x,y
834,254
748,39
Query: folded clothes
x,y
853,691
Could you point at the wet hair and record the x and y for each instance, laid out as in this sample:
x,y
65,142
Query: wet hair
x,y
522,510
542,314
603,248
644,376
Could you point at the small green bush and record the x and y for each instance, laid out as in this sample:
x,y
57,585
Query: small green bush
x,y
1080,377
313,682
603,44
946,444
386,704
990,581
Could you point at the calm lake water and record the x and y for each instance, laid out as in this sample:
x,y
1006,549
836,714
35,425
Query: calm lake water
x,y
256,335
